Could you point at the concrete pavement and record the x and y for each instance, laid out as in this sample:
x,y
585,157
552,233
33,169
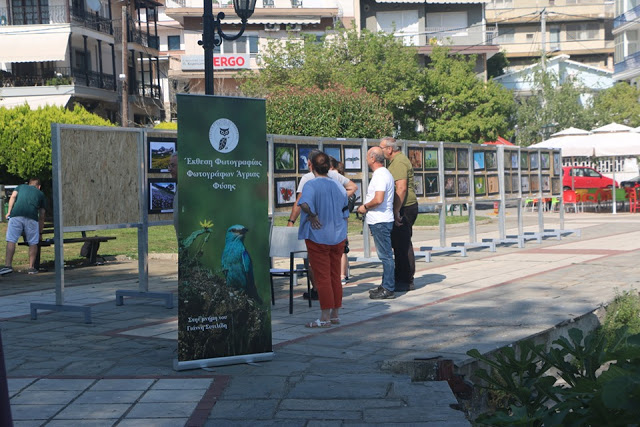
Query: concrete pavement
x,y
118,370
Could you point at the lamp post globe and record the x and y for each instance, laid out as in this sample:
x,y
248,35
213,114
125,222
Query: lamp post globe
x,y
212,34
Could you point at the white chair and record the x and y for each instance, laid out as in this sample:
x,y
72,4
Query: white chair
x,y
284,243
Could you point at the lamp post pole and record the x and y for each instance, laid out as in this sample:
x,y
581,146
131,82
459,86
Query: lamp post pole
x,y
212,34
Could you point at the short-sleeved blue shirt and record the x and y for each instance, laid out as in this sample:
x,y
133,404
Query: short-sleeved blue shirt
x,y
326,198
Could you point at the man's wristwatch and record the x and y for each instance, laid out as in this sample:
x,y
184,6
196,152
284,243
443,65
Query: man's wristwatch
x,y
291,221
366,208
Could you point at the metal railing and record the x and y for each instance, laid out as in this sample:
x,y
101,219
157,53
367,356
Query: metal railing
x,y
465,36
628,16
27,15
630,62
60,76
92,20
148,90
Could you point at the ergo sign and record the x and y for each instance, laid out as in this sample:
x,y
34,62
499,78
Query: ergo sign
x,y
220,61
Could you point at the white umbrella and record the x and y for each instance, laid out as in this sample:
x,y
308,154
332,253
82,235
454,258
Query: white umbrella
x,y
571,145
570,131
612,127
615,144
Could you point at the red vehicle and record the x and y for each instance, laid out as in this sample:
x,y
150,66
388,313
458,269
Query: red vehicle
x,y
584,177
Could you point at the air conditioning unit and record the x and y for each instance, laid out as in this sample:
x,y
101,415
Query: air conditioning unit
x,y
272,27
294,27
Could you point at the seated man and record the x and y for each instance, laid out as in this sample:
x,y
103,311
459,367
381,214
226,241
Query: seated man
x,y
26,215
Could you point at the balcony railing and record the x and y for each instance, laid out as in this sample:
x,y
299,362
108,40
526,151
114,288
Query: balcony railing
x,y
628,16
630,62
55,15
135,36
148,90
459,37
60,76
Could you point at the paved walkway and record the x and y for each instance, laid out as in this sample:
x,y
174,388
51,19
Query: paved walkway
x,y
118,370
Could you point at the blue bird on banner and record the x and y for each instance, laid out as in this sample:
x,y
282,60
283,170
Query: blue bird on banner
x,y
236,262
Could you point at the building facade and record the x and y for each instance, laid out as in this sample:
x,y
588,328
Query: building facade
x,y
626,29
67,52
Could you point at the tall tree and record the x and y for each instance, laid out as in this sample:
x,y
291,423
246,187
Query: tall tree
x,y
552,106
617,104
460,107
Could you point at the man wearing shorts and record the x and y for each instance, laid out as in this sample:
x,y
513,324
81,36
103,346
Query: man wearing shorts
x,y
26,216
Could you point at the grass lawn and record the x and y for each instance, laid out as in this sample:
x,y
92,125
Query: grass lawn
x,y
161,240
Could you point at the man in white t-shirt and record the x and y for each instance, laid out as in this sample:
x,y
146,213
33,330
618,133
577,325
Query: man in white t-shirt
x,y
378,211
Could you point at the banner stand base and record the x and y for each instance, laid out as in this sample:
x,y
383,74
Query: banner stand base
x,y
222,361
166,296
461,249
475,245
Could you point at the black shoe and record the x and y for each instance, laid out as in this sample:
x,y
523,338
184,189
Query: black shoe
x,y
383,294
376,290
404,287
314,295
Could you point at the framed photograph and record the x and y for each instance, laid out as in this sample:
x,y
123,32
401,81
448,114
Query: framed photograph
x,y
160,151
353,159
545,161
557,164
284,158
480,185
515,185
358,193
463,159
303,157
415,157
508,184
524,160
491,160
524,184
534,181
463,185
533,161
546,184
418,185
478,160
449,159
431,185
334,151
285,191
555,186
514,160
161,194
493,186
430,159
450,185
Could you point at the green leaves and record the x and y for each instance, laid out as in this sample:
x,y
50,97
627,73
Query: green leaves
x,y
601,384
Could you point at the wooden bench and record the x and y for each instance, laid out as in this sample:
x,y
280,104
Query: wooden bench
x,y
94,243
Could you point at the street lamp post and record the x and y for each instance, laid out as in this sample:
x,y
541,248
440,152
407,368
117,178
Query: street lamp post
x,y
211,26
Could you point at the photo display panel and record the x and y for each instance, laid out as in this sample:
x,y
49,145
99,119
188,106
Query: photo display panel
x,y
456,179
511,161
425,162
290,164
486,182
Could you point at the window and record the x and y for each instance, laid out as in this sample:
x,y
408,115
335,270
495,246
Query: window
x,y
253,46
28,12
583,31
447,24
244,44
632,42
80,60
399,23
502,4
554,37
529,37
173,42
506,35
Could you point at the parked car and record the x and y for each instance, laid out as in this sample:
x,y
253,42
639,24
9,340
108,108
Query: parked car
x,y
631,183
584,177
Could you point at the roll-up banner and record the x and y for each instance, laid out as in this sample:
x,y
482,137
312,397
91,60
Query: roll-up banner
x,y
224,312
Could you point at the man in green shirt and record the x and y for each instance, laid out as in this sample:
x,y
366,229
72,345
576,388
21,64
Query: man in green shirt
x,y
405,209
26,215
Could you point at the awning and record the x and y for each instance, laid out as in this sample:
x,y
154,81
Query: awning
x,y
35,102
39,44
433,1
274,20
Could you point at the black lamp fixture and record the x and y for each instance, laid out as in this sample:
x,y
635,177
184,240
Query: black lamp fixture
x,y
212,34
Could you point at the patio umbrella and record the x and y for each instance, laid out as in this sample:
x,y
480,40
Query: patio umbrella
x,y
571,145
571,131
612,127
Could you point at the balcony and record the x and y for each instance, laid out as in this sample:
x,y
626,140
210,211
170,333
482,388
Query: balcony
x,y
134,35
56,15
630,63
147,90
460,37
626,17
60,76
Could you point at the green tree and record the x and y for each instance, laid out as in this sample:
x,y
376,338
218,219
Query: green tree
x,y
496,64
375,62
25,137
332,112
552,105
460,107
617,104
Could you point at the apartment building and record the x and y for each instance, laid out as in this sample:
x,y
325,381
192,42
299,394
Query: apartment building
x,y
67,52
626,29
459,24
578,28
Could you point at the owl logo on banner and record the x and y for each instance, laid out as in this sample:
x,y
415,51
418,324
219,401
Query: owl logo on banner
x,y
224,135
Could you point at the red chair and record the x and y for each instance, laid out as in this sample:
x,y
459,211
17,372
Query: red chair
x,y
569,197
634,204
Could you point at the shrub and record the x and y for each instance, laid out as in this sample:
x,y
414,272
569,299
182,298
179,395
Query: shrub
x,y
167,125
